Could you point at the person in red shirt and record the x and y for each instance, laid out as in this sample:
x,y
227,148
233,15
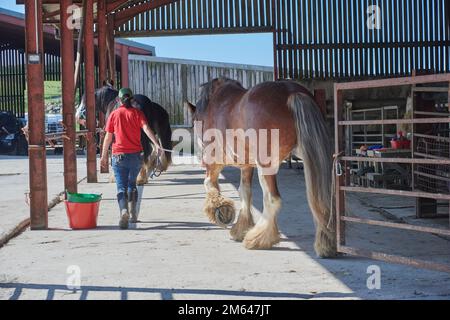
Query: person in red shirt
x,y
125,123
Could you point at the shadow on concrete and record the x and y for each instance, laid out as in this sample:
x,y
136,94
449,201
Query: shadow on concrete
x,y
296,224
159,225
164,225
175,182
164,293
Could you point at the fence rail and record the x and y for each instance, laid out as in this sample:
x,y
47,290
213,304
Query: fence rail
x,y
170,82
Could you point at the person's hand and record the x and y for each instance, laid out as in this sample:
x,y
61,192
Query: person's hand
x,y
82,122
104,162
159,150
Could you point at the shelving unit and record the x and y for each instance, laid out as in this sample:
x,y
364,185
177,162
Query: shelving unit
x,y
374,134
422,127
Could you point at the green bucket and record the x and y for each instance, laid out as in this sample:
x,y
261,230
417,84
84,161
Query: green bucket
x,y
83,197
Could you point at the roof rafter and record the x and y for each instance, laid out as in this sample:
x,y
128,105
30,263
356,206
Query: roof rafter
x,y
124,15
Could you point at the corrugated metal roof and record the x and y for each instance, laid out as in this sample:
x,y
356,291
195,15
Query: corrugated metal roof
x,y
126,42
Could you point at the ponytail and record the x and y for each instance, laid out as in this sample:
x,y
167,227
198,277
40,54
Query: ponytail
x,y
127,102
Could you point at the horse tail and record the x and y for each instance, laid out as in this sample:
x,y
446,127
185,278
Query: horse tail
x,y
314,148
165,135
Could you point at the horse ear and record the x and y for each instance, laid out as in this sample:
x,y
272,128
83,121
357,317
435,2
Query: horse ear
x,y
190,107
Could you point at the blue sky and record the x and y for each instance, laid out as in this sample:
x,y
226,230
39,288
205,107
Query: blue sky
x,y
245,49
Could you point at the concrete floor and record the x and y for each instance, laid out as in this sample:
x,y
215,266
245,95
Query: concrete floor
x,y
175,253
14,179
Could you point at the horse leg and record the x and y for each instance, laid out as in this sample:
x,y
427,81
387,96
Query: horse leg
x,y
150,164
245,219
142,176
218,209
265,233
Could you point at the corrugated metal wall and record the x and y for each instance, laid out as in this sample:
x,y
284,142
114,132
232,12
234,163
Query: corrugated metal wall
x,y
349,39
202,16
320,39
170,82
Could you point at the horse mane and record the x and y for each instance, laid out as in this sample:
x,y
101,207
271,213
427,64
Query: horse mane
x,y
208,88
104,96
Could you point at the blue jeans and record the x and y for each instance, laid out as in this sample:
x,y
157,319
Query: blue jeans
x,y
126,169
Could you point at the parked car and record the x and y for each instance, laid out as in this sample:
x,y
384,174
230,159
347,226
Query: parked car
x,y
12,139
53,124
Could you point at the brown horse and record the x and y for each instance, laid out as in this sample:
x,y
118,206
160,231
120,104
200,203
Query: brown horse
x,y
285,107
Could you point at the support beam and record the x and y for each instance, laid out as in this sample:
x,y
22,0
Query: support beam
x,y
102,62
48,1
110,43
36,116
52,14
123,16
101,29
89,79
124,62
68,89
115,5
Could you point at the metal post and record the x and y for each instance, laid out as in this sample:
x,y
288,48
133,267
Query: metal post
x,y
68,89
448,108
36,115
111,49
102,64
339,147
124,63
90,92
101,29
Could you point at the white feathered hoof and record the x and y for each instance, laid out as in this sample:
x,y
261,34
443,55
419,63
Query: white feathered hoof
x,y
225,215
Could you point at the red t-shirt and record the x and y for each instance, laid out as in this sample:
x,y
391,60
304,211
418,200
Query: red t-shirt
x,y
126,124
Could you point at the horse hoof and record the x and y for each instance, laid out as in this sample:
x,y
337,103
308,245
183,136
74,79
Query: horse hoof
x,y
141,182
224,216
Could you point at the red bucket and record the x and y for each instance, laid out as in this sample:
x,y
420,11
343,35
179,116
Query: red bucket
x,y
400,144
82,215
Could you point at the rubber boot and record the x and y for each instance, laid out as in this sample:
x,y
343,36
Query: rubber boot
x,y
122,199
133,205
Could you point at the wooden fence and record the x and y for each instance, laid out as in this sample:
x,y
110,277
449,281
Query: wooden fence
x,y
170,82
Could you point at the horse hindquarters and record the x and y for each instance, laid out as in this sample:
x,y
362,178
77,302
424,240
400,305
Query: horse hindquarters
x,y
314,149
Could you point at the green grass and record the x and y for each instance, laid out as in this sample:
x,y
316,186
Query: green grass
x,y
52,93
